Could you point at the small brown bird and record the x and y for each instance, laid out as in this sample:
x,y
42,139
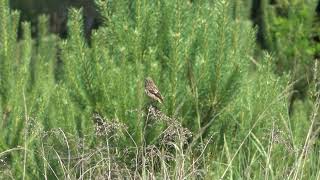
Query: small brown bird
x,y
152,91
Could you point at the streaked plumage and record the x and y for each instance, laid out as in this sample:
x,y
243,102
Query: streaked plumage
x,y
152,90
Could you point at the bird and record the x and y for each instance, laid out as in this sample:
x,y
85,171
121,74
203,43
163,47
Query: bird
x,y
152,90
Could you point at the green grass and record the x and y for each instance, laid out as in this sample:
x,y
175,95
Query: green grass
x,y
76,109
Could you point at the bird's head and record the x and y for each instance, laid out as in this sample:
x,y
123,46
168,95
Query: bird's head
x,y
148,80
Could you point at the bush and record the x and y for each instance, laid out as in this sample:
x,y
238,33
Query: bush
x,y
73,108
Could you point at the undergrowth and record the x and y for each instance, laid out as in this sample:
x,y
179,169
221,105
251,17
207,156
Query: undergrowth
x,y
76,109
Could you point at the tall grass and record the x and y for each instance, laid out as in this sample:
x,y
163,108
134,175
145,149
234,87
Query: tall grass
x,y
75,108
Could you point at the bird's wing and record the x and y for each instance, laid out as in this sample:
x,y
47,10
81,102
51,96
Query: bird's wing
x,y
156,92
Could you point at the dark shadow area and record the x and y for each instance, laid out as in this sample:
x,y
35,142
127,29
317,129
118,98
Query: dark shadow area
x,y
57,10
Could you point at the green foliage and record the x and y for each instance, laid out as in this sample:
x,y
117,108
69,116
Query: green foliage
x,y
198,53
289,28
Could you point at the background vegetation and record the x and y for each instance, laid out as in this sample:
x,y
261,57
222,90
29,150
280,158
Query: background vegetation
x,y
75,108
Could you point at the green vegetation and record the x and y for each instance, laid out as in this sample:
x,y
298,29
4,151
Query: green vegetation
x,y
76,109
